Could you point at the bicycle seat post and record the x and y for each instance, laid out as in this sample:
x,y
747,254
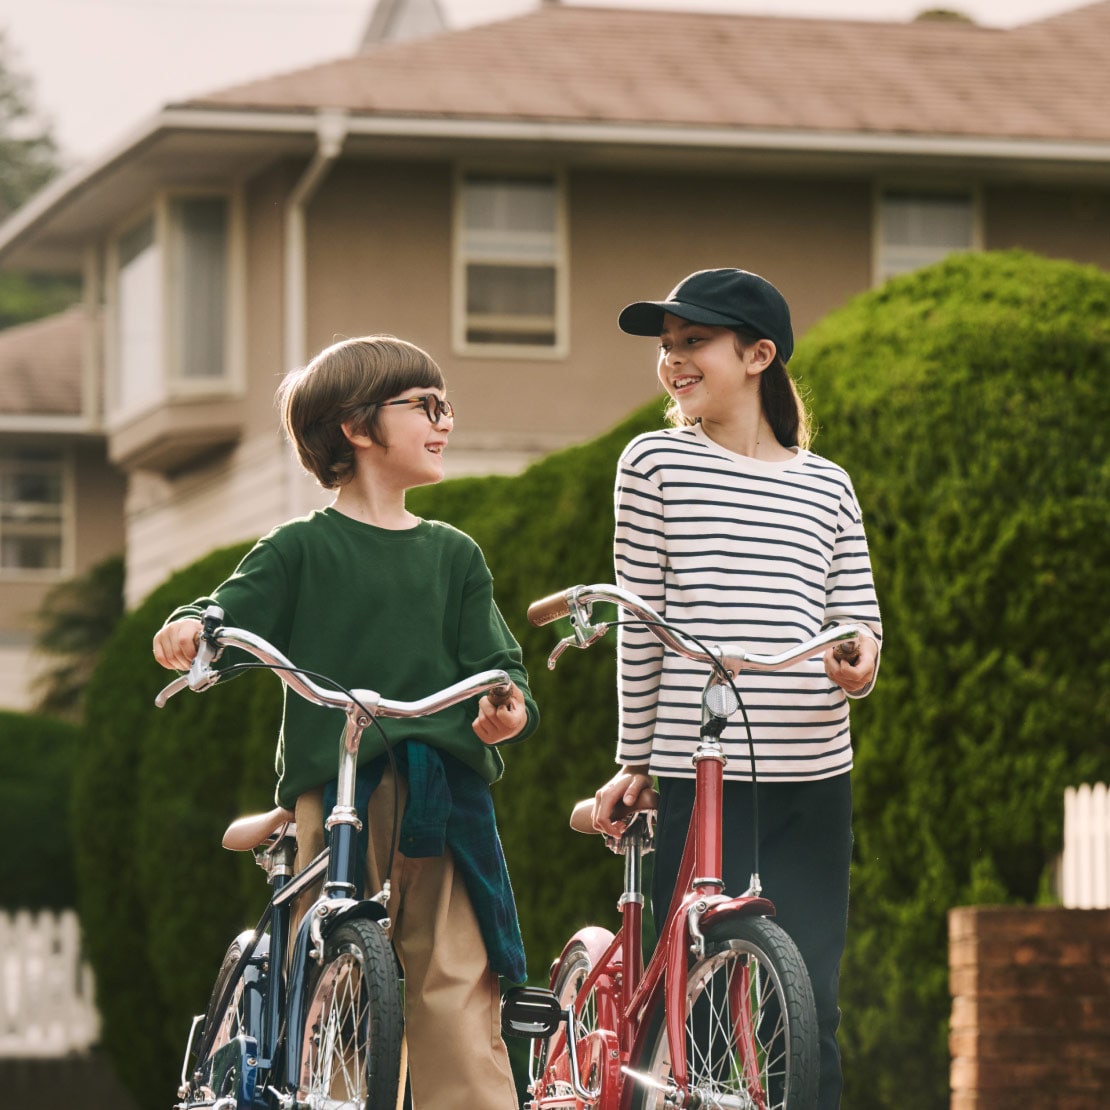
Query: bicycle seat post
x,y
631,907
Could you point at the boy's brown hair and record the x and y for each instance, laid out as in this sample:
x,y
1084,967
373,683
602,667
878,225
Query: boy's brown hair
x,y
343,384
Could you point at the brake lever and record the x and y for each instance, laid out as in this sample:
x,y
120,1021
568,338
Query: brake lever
x,y
200,675
172,688
580,639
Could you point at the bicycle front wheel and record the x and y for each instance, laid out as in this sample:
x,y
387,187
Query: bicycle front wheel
x,y
751,1024
351,1049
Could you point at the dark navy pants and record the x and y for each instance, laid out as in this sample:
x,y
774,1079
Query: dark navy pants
x,y
805,849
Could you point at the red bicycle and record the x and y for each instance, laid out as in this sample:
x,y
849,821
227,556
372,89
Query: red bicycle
x,y
723,1014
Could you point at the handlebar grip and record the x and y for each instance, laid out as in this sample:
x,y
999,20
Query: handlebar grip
x,y
548,609
501,695
847,652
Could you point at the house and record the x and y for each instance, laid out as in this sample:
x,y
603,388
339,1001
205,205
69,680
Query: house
x,y
497,193
61,500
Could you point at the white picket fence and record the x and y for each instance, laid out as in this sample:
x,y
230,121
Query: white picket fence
x,y
1085,866
46,989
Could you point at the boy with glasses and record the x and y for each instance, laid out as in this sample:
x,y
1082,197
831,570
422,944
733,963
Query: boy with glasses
x,y
371,595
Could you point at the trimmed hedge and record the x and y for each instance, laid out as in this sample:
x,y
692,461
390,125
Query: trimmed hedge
x,y
969,403
36,771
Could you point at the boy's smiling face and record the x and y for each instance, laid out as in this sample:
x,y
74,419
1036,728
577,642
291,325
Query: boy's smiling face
x,y
414,444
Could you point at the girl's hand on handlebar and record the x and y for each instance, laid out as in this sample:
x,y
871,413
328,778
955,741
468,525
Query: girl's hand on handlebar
x,y
853,677
623,789
175,645
498,722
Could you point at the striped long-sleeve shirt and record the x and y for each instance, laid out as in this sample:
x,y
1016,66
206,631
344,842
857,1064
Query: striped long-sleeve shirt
x,y
737,552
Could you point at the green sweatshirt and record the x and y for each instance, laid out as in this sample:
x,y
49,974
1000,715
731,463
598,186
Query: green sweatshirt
x,y
404,613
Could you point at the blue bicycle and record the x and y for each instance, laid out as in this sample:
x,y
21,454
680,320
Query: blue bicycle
x,y
311,1021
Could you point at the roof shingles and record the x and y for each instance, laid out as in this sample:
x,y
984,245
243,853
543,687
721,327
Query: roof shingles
x,y
612,66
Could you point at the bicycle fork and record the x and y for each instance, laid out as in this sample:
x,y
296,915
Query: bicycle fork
x,y
704,903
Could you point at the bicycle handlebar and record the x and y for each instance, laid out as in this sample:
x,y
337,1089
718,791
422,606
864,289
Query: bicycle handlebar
x,y
575,603
215,636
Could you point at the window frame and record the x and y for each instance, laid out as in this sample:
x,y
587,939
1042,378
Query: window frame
x,y
459,342
941,189
173,384
67,517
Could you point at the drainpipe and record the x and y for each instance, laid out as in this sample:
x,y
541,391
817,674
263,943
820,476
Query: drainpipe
x,y
331,132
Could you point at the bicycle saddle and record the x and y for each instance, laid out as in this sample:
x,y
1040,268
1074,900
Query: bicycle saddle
x,y
582,816
246,833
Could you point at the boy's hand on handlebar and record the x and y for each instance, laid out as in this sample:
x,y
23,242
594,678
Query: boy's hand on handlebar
x,y
500,721
175,645
853,677
623,790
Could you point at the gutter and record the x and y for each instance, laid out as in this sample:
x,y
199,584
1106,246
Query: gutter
x,y
650,134
331,133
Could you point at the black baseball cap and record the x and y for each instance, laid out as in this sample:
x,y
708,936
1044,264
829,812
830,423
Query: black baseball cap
x,y
726,298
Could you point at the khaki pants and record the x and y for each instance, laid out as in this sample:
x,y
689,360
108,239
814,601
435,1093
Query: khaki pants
x,y
456,1056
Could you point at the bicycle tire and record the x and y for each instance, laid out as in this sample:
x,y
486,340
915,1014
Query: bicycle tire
x,y
219,1028
778,1004
351,1042
211,1077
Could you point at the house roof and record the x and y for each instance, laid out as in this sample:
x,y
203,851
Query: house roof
x,y
40,366
1046,80
633,88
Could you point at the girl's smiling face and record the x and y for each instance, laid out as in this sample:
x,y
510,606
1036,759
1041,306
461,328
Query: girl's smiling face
x,y
704,368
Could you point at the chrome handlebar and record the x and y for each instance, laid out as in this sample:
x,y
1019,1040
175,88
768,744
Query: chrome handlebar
x,y
576,603
214,637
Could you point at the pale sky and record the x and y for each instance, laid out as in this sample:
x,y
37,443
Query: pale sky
x,y
102,67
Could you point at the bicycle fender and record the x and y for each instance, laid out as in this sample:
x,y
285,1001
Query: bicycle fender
x,y
362,909
595,940
737,907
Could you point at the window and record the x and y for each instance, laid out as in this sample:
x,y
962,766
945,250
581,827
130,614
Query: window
x,y
33,502
139,321
171,282
919,228
199,285
510,262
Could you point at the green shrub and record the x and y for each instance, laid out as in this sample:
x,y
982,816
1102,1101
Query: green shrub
x,y
36,769
153,792
968,403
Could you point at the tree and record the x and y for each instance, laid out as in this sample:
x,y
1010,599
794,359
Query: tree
x,y
74,621
29,159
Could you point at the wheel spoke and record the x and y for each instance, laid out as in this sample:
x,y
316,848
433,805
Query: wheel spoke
x,y
338,1066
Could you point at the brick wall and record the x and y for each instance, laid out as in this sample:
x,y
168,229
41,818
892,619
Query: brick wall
x,y
1030,1022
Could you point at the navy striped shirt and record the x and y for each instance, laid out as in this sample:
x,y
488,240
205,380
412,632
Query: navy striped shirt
x,y
739,552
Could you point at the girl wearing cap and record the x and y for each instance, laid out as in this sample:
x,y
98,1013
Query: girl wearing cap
x,y
732,529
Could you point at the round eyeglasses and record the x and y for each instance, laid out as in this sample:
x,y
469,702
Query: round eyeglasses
x,y
435,408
